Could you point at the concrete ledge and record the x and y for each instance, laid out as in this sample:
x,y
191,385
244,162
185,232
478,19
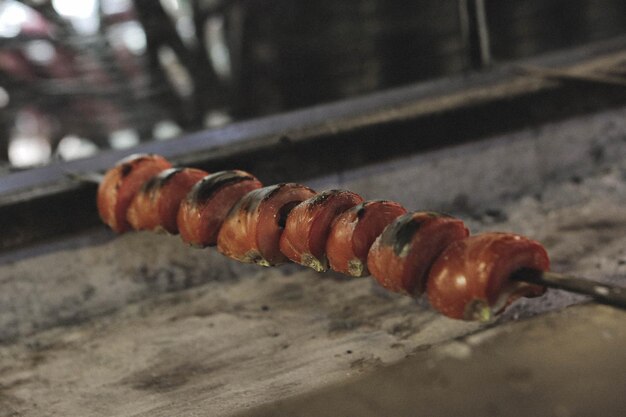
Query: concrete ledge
x,y
567,364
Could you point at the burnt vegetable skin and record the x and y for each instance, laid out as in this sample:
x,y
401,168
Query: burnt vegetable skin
x,y
205,207
155,206
354,231
471,278
252,230
464,277
401,256
308,226
120,185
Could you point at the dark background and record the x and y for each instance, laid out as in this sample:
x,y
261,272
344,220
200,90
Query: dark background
x,y
76,80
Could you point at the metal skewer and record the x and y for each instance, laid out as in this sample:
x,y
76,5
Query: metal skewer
x,y
565,75
88,177
601,292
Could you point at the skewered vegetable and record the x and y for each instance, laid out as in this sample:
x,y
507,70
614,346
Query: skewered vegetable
x,y
401,256
155,206
203,211
354,231
464,277
471,278
251,232
120,185
308,226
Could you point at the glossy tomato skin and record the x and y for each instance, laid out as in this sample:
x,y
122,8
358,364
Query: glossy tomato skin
x,y
155,206
252,230
308,226
203,210
401,256
470,280
120,185
354,231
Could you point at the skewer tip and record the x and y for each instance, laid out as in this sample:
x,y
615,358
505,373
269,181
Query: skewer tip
x,y
85,177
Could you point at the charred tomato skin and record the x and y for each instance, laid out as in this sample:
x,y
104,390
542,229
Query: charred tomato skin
x,y
401,256
155,206
252,230
120,185
354,231
204,208
470,280
308,226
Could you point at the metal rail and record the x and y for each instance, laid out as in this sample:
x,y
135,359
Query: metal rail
x,y
38,203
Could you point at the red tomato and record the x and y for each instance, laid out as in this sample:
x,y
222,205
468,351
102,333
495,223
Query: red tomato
x,y
308,227
203,211
401,256
470,280
121,183
156,204
252,230
354,231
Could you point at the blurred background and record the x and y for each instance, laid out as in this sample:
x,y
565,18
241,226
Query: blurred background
x,y
80,76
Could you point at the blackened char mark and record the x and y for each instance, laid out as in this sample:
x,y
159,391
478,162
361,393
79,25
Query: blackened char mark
x,y
271,190
284,211
320,198
360,210
158,181
250,202
126,169
400,233
126,164
212,183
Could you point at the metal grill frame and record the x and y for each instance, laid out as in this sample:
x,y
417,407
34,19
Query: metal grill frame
x,y
45,202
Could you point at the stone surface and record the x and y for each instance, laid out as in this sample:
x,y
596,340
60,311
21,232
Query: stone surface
x,y
566,364
217,348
